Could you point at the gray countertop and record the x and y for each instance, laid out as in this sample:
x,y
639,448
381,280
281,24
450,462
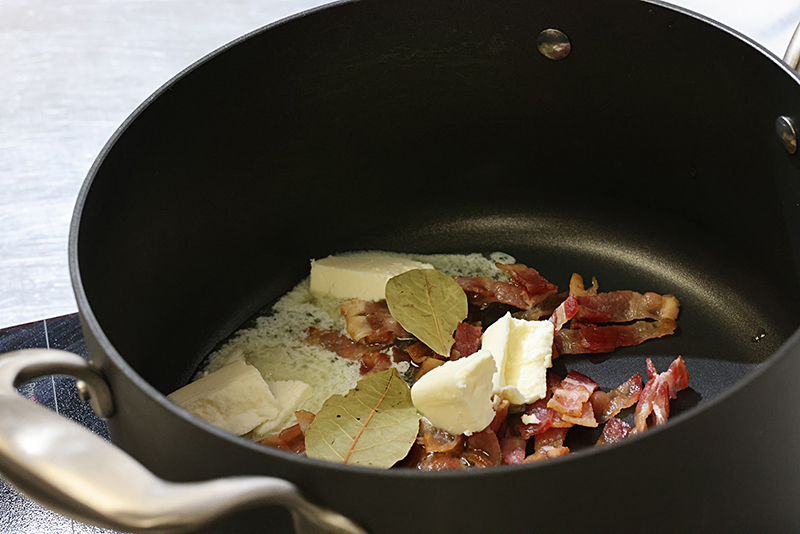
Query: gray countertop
x,y
71,72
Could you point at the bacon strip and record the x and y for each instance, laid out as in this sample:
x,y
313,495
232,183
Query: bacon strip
x,y
617,399
569,397
467,341
372,360
371,322
526,289
565,311
656,394
614,430
585,339
623,306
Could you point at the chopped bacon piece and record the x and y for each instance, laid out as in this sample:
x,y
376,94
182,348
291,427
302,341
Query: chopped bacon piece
x,y
304,419
526,289
513,449
549,444
544,309
419,351
528,277
585,339
483,449
437,440
482,291
654,398
622,306
542,413
500,416
614,430
617,399
335,342
371,322
570,396
290,439
374,363
428,364
585,419
577,288
565,311
550,454
440,462
467,341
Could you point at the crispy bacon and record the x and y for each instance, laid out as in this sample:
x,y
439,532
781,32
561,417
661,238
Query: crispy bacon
x,y
482,291
335,342
513,449
440,462
526,289
467,341
304,419
586,417
564,312
371,322
654,398
543,309
614,430
544,415
372,360
437,440
549,444
483,449
585,338
374,363
623,306
617,399
577,288
571,395
528,277
290,439
428,364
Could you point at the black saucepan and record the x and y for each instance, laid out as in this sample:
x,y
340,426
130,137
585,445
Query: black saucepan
x,y
647,157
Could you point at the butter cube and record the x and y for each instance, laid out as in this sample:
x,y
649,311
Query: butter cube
x,y
523,352
361,275
235,398
290,394
457,396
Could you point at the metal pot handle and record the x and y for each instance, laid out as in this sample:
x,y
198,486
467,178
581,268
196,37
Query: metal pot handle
x,y
792,55
70,470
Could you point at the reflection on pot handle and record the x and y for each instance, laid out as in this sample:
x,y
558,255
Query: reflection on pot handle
x,y
792,55
70,470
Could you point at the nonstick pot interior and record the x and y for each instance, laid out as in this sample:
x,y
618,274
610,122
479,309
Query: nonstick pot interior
x,y
646,158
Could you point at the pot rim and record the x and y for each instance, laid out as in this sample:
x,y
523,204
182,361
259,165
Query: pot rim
x,y
89,321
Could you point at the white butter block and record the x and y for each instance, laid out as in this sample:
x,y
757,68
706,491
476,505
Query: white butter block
x,y
361,275
235,398
290,394
457,396
523,352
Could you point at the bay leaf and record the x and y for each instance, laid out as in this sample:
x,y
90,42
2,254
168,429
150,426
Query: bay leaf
x,y
374,425
429,304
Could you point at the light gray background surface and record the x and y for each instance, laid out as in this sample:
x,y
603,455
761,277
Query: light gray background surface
x,y
72,71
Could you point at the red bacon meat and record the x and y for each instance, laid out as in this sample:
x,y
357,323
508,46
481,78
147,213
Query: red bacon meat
x,y
656,394
588,338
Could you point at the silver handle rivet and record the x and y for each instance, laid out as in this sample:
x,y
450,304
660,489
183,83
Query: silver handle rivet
x,y
553,44
784,127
